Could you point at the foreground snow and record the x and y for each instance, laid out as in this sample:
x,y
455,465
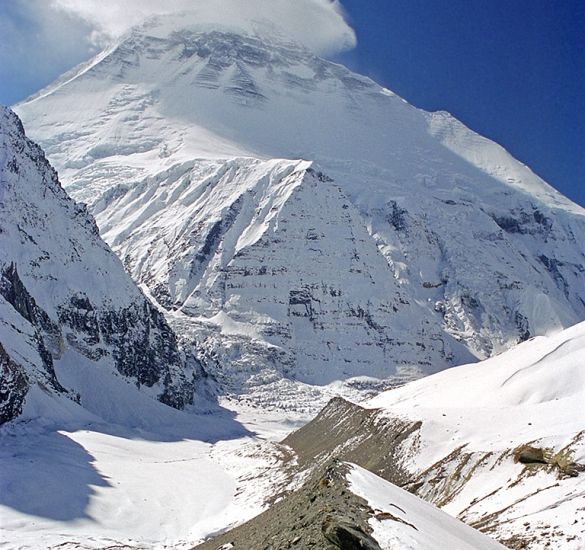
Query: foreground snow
x,y
95,484
96,488
405,521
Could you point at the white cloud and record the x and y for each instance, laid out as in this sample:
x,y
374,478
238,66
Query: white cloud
x,y
41,39
318,24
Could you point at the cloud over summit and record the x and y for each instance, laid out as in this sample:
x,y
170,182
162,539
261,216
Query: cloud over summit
x,y
41,39
318,24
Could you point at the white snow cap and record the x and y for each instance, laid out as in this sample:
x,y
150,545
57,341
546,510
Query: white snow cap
x,y
319,25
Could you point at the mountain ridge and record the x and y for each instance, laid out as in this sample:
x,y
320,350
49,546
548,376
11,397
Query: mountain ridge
x,y
66,293
498,444
487,251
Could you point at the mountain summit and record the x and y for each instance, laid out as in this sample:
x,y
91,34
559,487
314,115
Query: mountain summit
x,y
300,221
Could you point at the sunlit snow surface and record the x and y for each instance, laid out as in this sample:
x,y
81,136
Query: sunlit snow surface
x,y
534,391
413,524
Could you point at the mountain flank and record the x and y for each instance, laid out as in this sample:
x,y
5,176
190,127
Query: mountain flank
x,y
66,301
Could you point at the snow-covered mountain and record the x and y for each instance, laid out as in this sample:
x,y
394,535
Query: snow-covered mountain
x,y
70,317
401,242
499,445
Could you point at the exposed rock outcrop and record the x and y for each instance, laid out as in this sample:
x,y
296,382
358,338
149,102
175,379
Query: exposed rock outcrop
x,y
13,387
69,292
322,515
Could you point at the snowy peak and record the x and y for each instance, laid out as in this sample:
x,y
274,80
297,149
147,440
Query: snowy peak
x,y
266,20
251,95
191,147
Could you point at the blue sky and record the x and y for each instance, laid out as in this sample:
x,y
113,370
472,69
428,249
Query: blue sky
x,y
513,70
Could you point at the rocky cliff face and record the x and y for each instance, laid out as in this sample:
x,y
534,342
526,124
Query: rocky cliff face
x,y
63,290
283,270
14,387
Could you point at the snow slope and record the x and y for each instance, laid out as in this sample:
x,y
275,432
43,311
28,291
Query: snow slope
x,y
541,381
67,306
404,521
431,245
473,416
111,496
